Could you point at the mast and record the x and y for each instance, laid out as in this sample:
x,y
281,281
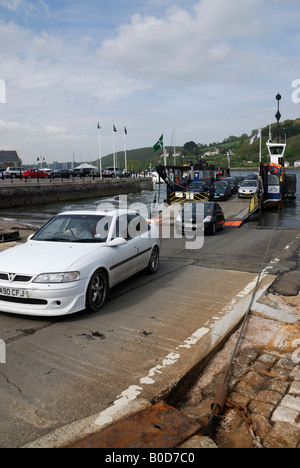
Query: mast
x,y
99,149
278,117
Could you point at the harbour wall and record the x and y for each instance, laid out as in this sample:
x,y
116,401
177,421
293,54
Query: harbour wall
x,y
19,193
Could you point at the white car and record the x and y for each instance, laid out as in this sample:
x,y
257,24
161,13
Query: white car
x,y
248,189
70,264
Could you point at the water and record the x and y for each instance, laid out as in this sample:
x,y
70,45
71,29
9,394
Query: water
x,y
288,217
36,216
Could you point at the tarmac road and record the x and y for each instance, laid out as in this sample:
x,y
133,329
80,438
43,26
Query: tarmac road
x,y
152,332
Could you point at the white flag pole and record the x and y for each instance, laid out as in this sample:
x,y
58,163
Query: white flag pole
x,y
100,155
114,156
125,151
260,145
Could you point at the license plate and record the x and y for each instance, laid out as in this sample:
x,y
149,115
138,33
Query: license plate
x,y
12,292
190,225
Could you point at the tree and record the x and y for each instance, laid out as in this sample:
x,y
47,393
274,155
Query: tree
x,y
189,147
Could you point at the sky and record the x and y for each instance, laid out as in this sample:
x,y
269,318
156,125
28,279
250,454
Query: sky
x,y
198,70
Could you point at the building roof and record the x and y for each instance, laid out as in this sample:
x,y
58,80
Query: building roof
x,y
9,157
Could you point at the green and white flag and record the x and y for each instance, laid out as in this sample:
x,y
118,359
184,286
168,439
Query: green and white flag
x,y
255,137
159,144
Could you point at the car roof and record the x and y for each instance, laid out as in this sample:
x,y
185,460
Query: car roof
x,y
97,213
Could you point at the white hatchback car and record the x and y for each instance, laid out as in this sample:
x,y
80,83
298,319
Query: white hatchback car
x,y
248,189
70,264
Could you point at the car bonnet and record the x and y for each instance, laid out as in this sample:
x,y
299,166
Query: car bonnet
x,y
36,257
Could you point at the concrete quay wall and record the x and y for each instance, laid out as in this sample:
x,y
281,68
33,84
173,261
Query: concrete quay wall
x,y
19,193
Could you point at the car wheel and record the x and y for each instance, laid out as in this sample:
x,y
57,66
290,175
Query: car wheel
x,y
213,229
97,291
154,261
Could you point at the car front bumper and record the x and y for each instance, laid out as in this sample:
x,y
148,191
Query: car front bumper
x,y
220,196
246,194
48,300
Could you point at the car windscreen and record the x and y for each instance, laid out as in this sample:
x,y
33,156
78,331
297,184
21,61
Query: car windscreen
x,y
198,209
75,228
196,185
249,183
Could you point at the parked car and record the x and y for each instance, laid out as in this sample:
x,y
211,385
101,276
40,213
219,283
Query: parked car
x,y
70,264
240,179
62,173
222,190
14,172
86,172
252,176
36,173
49,171
111,172
197,190
233,184
248,189
207,216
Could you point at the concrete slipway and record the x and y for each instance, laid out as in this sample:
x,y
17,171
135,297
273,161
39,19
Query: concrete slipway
x,y
195,332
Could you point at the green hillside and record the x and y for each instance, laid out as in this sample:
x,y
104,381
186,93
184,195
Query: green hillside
x,y
239,146
137,159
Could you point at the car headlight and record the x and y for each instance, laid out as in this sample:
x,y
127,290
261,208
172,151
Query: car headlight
x,y
68,277
207,219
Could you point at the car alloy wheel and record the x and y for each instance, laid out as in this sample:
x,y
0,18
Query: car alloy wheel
x,y
154,261
97,291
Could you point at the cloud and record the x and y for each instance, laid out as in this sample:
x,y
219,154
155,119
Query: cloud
x,y
29,8
183,47
55,88
200,66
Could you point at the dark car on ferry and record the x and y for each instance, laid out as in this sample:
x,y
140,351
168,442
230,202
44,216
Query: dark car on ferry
x,y
207,216
240,179
233,184
222,190
197,189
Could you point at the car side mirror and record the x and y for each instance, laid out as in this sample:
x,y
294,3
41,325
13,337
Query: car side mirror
x,y
116,242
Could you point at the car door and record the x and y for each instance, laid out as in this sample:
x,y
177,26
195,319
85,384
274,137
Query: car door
x,y
139,231
219,216
124,257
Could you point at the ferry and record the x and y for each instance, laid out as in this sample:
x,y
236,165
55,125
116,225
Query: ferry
x,y
278,185
190,182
